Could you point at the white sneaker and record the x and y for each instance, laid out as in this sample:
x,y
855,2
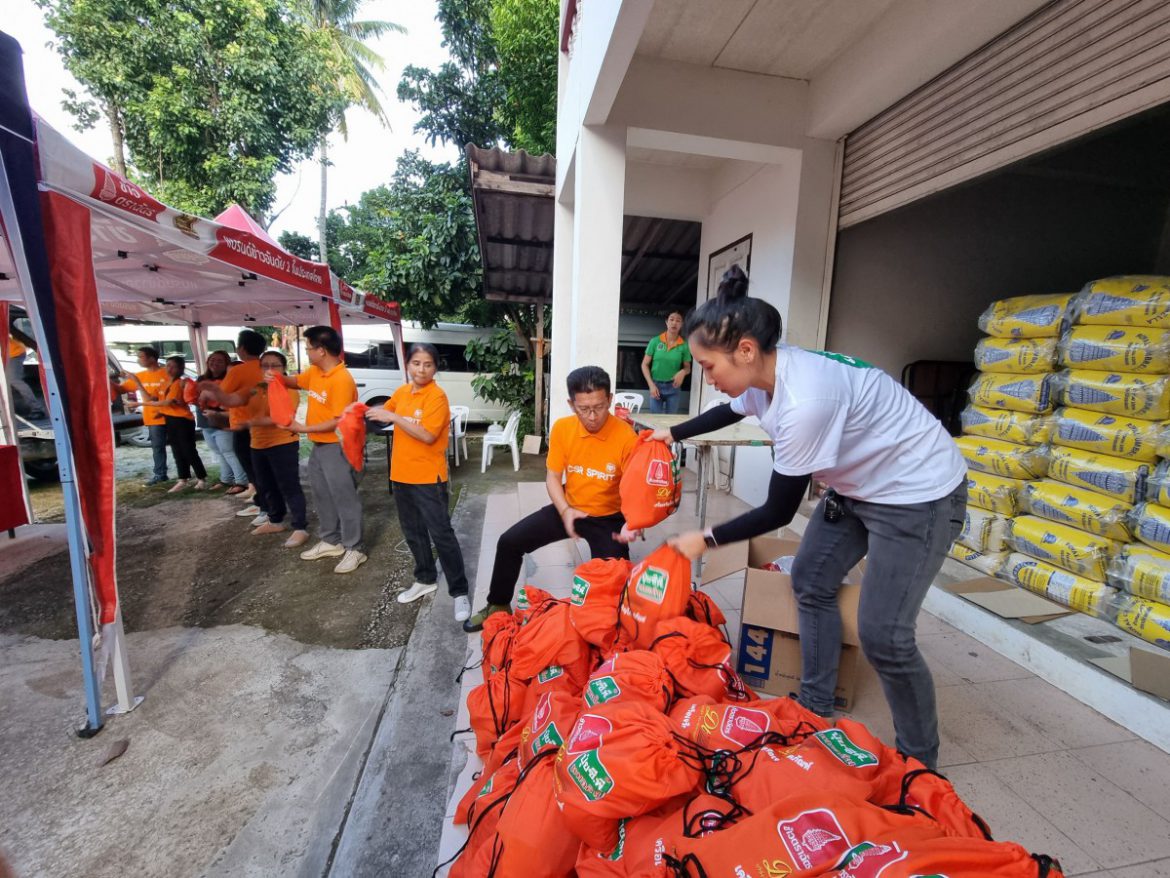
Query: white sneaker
x,y
260,519
462,608
248,511
350,561
416,591
322,550
296,539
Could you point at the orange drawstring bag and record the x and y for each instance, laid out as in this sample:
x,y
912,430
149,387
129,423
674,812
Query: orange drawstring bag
x,y
529,601
651,485
698,659
482,817
658,589
549,639
532,840
634,852
637,675
552,718
952,857
491,784
352,429
280,405
499,630
920,787
722,726
702,608
593,608
191,392
621,760
494,707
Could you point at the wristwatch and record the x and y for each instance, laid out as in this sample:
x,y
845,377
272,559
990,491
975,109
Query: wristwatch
x,y
709,539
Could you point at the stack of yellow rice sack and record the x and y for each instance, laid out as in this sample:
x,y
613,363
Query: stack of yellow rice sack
x,y
1005,426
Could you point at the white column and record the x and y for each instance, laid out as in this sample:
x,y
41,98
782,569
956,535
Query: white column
x,y
562,308
599,201
816,235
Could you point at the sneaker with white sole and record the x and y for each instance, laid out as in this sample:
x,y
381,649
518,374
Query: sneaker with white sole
x,y
296,539
416,591
462,608
247,494
350,561
248,511
260,519
322,550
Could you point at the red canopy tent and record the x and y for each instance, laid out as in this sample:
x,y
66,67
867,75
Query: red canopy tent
x,y
80,243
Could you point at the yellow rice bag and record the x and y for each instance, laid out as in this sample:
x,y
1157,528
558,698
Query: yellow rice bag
x,y
1009,426
1151,524
1018,355
1115,476
994,493
1003,458
1131,300
1164,441
1158,485
983,531
1075,550
1141,571
1116,435
1019,393
1068,589
1118,393
1148,620
986,563
1116,349
1088,510
1026,316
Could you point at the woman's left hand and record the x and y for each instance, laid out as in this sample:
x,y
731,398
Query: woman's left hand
x,y
627,534
692,544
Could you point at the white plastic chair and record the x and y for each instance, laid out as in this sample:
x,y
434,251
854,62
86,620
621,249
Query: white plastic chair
x,y
506,436
629,401
459,416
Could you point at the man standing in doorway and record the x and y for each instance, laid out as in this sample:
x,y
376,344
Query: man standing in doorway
x,y
151,380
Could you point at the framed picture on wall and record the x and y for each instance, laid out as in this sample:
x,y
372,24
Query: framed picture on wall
x,y
736,253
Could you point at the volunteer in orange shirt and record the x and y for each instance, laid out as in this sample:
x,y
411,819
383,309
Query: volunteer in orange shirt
x,y
586,455
24,399
339,508
148,383
421,415
171,403
276,461
234,392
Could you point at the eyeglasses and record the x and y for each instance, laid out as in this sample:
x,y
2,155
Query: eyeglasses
x,y
591,411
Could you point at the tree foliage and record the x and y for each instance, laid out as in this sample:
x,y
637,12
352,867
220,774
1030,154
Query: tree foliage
x,y
210,98
525,34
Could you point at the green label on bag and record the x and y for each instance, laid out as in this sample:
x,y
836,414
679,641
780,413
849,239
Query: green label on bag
x,y
487,788
601,690
620,848
652,584
550,673
590,775
580,591
550,737
838,743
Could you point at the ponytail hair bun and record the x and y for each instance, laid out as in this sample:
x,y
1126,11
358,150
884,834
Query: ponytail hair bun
x,y
733,285
732,315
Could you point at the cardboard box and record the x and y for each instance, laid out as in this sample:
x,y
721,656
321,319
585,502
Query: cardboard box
x,y
1006,600
769,640
1143,669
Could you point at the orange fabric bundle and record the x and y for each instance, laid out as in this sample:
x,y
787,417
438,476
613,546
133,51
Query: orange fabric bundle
x,y
549,639
620,760
191,392
803,834
490,785
651,485
532,840
482,816
529,601
658,589
593,608
922,788
702,608
699,661
499,630
722,726
280,404
637,675
352,429
952,857
494,707
553,717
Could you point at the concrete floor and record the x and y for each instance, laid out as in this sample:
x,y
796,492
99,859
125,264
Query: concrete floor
x,y
1042,768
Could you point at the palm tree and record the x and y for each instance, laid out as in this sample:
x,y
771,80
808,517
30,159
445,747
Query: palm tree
x,y
356,62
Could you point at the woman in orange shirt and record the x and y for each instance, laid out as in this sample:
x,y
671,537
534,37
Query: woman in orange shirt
x,y
421,415
171,403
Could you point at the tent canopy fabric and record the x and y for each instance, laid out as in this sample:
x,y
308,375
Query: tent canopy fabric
x,y
154,263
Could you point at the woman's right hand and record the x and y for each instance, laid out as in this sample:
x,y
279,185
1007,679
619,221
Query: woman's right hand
x,y
655,392
382,416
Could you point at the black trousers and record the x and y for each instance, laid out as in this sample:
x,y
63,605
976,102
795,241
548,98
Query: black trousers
x,y
424,516
541,528
242,446
181,438
278,482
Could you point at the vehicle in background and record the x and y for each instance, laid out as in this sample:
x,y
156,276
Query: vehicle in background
x,y
124,339
372,360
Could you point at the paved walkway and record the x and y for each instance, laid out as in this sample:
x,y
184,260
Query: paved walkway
x,y
1042,768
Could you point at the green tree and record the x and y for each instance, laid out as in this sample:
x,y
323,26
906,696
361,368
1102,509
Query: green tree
x,y
525,36
208,99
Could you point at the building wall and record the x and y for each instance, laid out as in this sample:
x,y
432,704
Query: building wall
x,y
911,285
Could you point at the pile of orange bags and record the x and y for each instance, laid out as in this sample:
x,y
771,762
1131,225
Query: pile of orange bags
x,y
619,742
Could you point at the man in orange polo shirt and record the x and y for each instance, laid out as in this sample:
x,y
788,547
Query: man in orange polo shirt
x,y
334,482
24,400
151,380
587,452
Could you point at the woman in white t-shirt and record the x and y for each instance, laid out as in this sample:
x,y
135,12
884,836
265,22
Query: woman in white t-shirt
x,y
898,494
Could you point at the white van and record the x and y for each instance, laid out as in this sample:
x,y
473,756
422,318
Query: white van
x,y
373,363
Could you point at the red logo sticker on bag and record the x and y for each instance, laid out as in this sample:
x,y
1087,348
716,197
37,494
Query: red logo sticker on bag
x,y
814,838
587,733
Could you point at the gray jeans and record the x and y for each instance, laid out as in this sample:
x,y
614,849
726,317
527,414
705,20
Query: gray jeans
x,y
335,496
906,546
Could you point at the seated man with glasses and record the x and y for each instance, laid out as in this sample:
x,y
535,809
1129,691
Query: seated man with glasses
x,y
587,452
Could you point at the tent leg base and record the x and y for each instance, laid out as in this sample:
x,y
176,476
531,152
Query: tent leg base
x,y
88,731
119,709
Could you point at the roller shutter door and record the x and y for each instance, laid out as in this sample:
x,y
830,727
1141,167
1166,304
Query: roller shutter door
x,y
1069,68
